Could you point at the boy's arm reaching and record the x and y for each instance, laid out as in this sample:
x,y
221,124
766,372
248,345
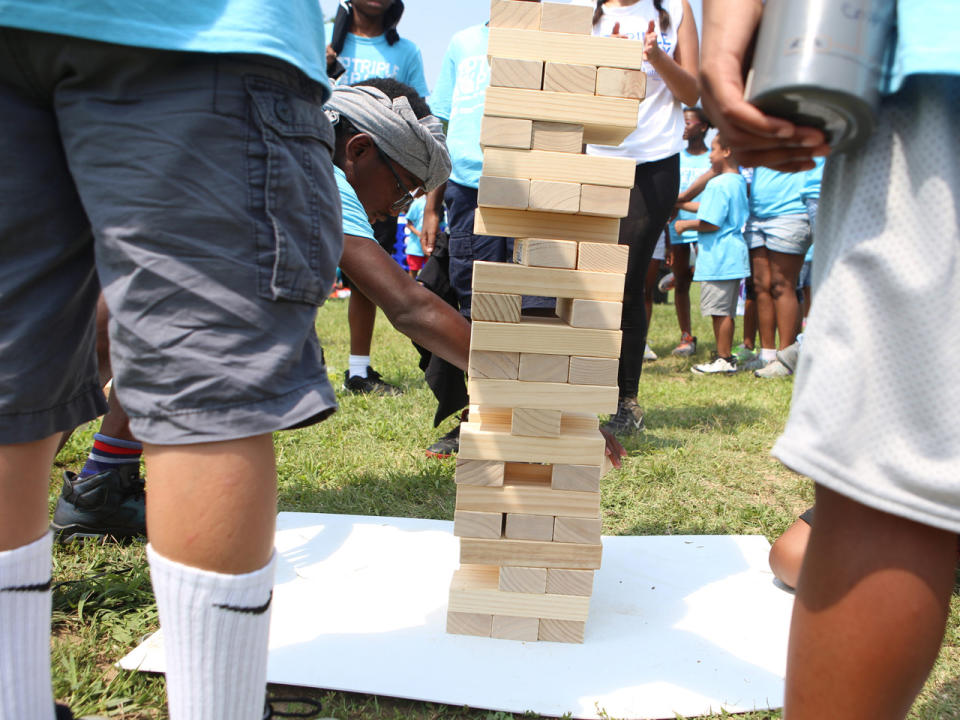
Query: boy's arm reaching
x,y
701,226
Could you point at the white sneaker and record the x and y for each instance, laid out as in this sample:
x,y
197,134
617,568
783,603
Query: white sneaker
x,y
649,354
774,370
757,363
720,365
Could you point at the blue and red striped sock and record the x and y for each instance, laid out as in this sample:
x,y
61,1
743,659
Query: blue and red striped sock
x,y
108,452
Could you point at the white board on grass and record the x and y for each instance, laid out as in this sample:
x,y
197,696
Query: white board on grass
x,y
678,624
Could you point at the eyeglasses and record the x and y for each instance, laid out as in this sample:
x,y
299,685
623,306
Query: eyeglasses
x,y
407,196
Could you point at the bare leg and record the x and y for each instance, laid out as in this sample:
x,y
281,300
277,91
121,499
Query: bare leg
x,y
723,332
766,313
784,271
870,613
786,555
750,323
24,487
361,314
681,291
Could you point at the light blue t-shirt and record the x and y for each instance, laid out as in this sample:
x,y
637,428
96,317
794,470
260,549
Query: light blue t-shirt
x,y
723,255
927,33
415,218
691,167
459,96
364,58
355,220
812,180
291,30
775,193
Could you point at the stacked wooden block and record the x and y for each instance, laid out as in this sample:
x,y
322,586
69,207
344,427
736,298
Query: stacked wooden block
x,y
531,456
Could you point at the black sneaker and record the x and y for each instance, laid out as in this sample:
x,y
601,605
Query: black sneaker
x,y
64,713
447,445
370,385
628,419
110,503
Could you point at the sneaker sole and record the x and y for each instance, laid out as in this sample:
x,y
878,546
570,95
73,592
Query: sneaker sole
x,y
65,534
438,455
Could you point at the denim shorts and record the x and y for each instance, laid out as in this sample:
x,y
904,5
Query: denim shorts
x,y
788,234
197,191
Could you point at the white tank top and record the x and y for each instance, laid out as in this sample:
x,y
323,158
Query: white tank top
x,y
659,132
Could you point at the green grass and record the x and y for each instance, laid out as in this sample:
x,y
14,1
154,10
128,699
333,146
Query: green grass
x,y
702,467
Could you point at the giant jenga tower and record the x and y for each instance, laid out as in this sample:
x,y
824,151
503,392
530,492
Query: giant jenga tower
x,y
531,456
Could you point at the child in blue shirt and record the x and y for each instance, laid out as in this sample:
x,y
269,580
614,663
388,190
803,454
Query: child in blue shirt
x,y
414,224
723,259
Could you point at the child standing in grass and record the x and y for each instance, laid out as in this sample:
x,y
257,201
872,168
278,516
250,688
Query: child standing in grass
x,y
414,248
723,258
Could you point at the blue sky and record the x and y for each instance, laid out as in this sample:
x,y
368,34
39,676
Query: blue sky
x,y
431,23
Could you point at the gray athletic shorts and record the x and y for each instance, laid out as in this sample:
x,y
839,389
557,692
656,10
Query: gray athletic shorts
x,y
719,297
197,190
867,420
788,234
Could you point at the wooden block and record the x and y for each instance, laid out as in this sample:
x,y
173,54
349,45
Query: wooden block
x,y
556,137
537,252
575,448
468,523
559,167
539,335
491,364
503,192
552,282
525,579
564,47
566,78
558,197
581,478
474,588
590,313
526,223
569,631
536,423
506,132
528,498
510,73
592,371
500,419
509,627
602,257
527,553
569,582
542,395
514,14
496,307
617,82
539,367
605,120
485,473
460,623
529,527
604,200
576,19
585,531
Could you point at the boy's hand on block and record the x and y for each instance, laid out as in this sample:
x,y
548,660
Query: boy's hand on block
x,y
614,449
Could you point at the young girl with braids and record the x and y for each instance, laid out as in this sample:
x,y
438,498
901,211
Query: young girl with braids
x,y
666,33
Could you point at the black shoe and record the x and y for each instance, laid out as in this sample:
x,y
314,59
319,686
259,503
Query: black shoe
x,y
628,419
370,385
447,445
270,712
110,503
64,713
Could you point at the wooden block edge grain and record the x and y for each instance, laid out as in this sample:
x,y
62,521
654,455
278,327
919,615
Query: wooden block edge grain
x,y
524,579
569,581
480,473
568,631
513,627
461,623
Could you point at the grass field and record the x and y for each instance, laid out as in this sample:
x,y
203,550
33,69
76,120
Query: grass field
x,y
701,467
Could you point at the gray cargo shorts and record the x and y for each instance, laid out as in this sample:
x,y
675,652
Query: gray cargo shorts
x,y
197,191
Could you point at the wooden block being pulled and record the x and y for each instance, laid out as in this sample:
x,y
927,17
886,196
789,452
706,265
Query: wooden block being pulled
x,y
528,498
529,527
575,19
604,200
618,82
496,307
510,73
528,553
576,530
461,623
491,418
540,335
469,523
474,589
564,47
537,252
552,282
569,631
566,78
536,423
515,14
543,396
506,132
556,137
507,222
597,314
593,371
569,582
559,167
485,473
492,364
602,257
539,367
580,478
575,448
509,627
503,192
551,196
526,579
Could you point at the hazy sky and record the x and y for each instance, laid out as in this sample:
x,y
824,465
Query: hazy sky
x,y
431,23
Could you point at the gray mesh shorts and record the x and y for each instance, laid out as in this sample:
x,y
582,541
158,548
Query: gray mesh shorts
x,y
197,191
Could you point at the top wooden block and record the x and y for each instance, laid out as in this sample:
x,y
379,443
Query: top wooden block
x,y
515,14
565,48
563,18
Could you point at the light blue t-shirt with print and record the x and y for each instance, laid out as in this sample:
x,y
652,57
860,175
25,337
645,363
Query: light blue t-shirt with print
x,y
355,220
458,98
364,58
723,254
774,193
927,40
691,167
415,217
812,180
291,30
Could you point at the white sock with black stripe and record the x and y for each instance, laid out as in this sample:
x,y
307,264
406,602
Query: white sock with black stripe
x,y
25,606
215,629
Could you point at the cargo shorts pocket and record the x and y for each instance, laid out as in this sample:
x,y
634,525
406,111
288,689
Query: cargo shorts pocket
x,y
289,159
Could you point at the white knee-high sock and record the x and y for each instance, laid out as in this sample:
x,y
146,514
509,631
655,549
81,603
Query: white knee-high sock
x,y
25,606
215,629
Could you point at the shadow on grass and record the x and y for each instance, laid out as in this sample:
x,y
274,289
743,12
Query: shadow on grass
x,y
722,417
944,704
